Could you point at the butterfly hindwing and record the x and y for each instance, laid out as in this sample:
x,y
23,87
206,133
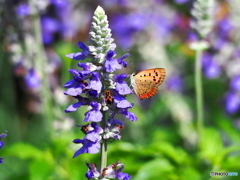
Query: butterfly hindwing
x,y
145,83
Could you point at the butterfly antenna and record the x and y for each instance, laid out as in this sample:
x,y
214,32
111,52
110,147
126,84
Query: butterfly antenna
x,y
133,66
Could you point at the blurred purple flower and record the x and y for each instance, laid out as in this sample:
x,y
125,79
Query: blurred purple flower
x,y
49,26
235,83
232,102
59,3
163,24
126,26
32,80
115,3
23,9
174,83
212,70
181,1
3,135
225,26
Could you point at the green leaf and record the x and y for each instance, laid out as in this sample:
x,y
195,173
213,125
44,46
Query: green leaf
x,y
211,145
40,170
156,169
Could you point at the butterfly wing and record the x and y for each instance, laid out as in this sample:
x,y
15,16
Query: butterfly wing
x,y
145,83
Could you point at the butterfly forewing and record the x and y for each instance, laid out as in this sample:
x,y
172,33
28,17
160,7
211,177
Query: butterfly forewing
x,y
145,83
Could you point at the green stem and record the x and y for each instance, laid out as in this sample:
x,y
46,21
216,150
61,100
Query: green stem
x,y
103,145
41,66
199,95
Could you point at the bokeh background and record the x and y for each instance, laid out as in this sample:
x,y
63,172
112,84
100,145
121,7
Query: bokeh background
x,y
36,35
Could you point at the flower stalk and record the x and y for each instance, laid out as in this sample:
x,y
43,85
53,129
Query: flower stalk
x,y
103,152
98,87
202,24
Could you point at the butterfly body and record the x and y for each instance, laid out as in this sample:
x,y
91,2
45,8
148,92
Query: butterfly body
x,y
145,83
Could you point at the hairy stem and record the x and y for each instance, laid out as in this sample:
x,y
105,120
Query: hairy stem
x,y
199,95
103,144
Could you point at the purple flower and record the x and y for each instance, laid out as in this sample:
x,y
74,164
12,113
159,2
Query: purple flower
x,y
163,24
32,79
93,132
121,61
235,83
121,85
96,86
232,102
212,70
87,146
95,82
131,116
49,26
94,114
110,63
113,129
181,1
80,55
174,83
114,171
3,135
121,101
81,102
1,144
77,84
23,9
59,3
225,26
92,171
91,141
126,26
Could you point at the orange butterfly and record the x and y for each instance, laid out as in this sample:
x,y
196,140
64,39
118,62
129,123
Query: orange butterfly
x,y
145,83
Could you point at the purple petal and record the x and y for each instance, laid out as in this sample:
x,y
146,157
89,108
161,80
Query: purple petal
x,y
1,144
77,56
73,91
123,88
95,85
109,55
124,104
83,47
93,115
112,65
73,107
235,83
